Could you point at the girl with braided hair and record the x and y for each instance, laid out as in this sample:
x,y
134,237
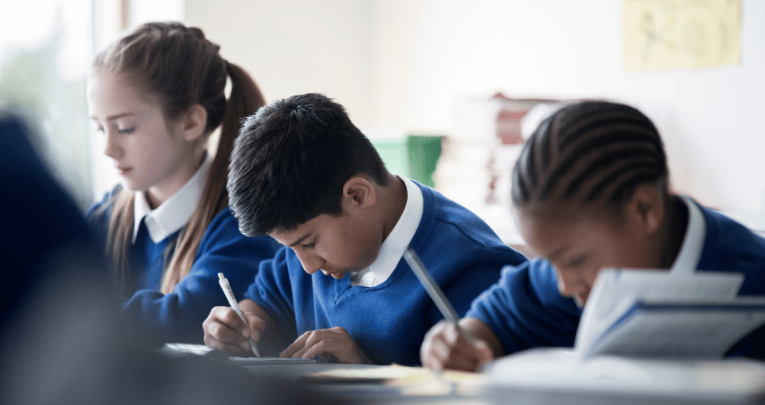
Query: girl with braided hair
x,y
590,190
156,96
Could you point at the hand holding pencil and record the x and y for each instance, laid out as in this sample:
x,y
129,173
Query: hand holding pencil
x,y
232,330
448,344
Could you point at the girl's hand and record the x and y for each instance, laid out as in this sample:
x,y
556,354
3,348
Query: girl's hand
x,y
447,347
333,345
225,330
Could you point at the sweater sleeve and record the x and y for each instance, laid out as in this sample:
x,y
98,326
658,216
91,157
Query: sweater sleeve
x,y
483,271
273,289
525,309
98,216
178,316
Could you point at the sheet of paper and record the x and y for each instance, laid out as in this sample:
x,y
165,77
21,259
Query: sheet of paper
x,y
185,348
406,380
177,349
616,290
393,372
546,370
269,360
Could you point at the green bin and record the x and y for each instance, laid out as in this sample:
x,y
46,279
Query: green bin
x,y
415,156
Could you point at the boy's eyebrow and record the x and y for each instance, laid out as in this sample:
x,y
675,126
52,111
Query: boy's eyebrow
x,y
302,238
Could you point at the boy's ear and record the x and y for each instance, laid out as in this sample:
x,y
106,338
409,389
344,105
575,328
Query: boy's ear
x,y
645,210
358,192
194,122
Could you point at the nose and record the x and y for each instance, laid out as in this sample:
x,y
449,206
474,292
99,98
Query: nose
x,y
570,282
311,262
111,149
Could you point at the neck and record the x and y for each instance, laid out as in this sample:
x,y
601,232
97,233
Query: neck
x,y
395,196
159,193
673,231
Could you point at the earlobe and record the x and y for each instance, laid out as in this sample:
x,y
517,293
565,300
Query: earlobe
x,y
194,123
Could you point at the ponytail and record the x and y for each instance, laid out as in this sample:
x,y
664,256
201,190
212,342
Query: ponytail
x,y
245,99
118,241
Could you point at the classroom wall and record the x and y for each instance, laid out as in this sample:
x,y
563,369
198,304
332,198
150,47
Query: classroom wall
x,y
710,118
296,46
404,64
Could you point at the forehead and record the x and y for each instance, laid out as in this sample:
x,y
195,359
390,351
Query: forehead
x,y
110,94
320,224
549,229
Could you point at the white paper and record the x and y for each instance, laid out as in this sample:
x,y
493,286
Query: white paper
x,y
269,360
564,371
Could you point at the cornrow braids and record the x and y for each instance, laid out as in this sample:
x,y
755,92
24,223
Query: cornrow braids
x,y
589,151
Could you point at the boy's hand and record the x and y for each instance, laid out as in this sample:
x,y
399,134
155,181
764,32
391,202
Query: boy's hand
x,y
225,330
446,347
333,344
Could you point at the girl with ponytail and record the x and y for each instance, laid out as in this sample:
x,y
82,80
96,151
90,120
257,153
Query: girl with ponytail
x,y
157,95
591,190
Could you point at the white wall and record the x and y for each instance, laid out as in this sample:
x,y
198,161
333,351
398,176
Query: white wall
x,y
429,53
404,63
296,46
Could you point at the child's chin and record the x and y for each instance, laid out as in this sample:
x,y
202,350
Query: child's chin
x,y
338,275
129,185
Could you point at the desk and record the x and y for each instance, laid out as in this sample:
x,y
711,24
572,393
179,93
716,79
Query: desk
x,y
537,376
732,382
378,393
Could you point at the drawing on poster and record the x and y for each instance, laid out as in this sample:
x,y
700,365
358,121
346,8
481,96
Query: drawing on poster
x,y
671,34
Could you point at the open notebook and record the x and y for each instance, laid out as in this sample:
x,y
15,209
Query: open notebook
x,y
554,375
655,313
646,337
176,349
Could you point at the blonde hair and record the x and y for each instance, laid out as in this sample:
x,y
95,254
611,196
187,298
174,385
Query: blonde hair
x,y
179,66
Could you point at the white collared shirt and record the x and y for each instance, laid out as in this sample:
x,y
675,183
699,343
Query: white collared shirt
x,y
176,211
393,247
690,252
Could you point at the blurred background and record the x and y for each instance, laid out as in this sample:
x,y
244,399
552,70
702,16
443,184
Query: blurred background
x,y
447,89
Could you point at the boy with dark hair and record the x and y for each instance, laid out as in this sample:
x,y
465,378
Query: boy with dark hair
x,y
302,173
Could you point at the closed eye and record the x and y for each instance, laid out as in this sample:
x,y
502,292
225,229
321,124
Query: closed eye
x,y
575,262
309,245
126,130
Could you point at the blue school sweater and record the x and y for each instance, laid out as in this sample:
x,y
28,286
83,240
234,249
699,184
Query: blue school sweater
x,y
42,228
178,316
525,309
388,322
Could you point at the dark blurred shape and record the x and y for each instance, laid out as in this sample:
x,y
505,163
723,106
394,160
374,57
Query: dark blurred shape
x,y
39,219
63,339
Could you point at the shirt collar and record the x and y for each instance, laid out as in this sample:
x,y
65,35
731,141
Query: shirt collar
x,y
393,247
693,242
176,211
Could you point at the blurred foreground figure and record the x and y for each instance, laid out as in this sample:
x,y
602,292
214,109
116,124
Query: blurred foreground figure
x,y
63,339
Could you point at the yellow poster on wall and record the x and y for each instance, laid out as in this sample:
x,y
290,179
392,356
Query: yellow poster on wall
x,y
671,34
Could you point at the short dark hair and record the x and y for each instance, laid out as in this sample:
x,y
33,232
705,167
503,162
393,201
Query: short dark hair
x,y
589,151
291,160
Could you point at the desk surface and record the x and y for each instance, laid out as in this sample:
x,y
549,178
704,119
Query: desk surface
x,y
420,386
416,386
